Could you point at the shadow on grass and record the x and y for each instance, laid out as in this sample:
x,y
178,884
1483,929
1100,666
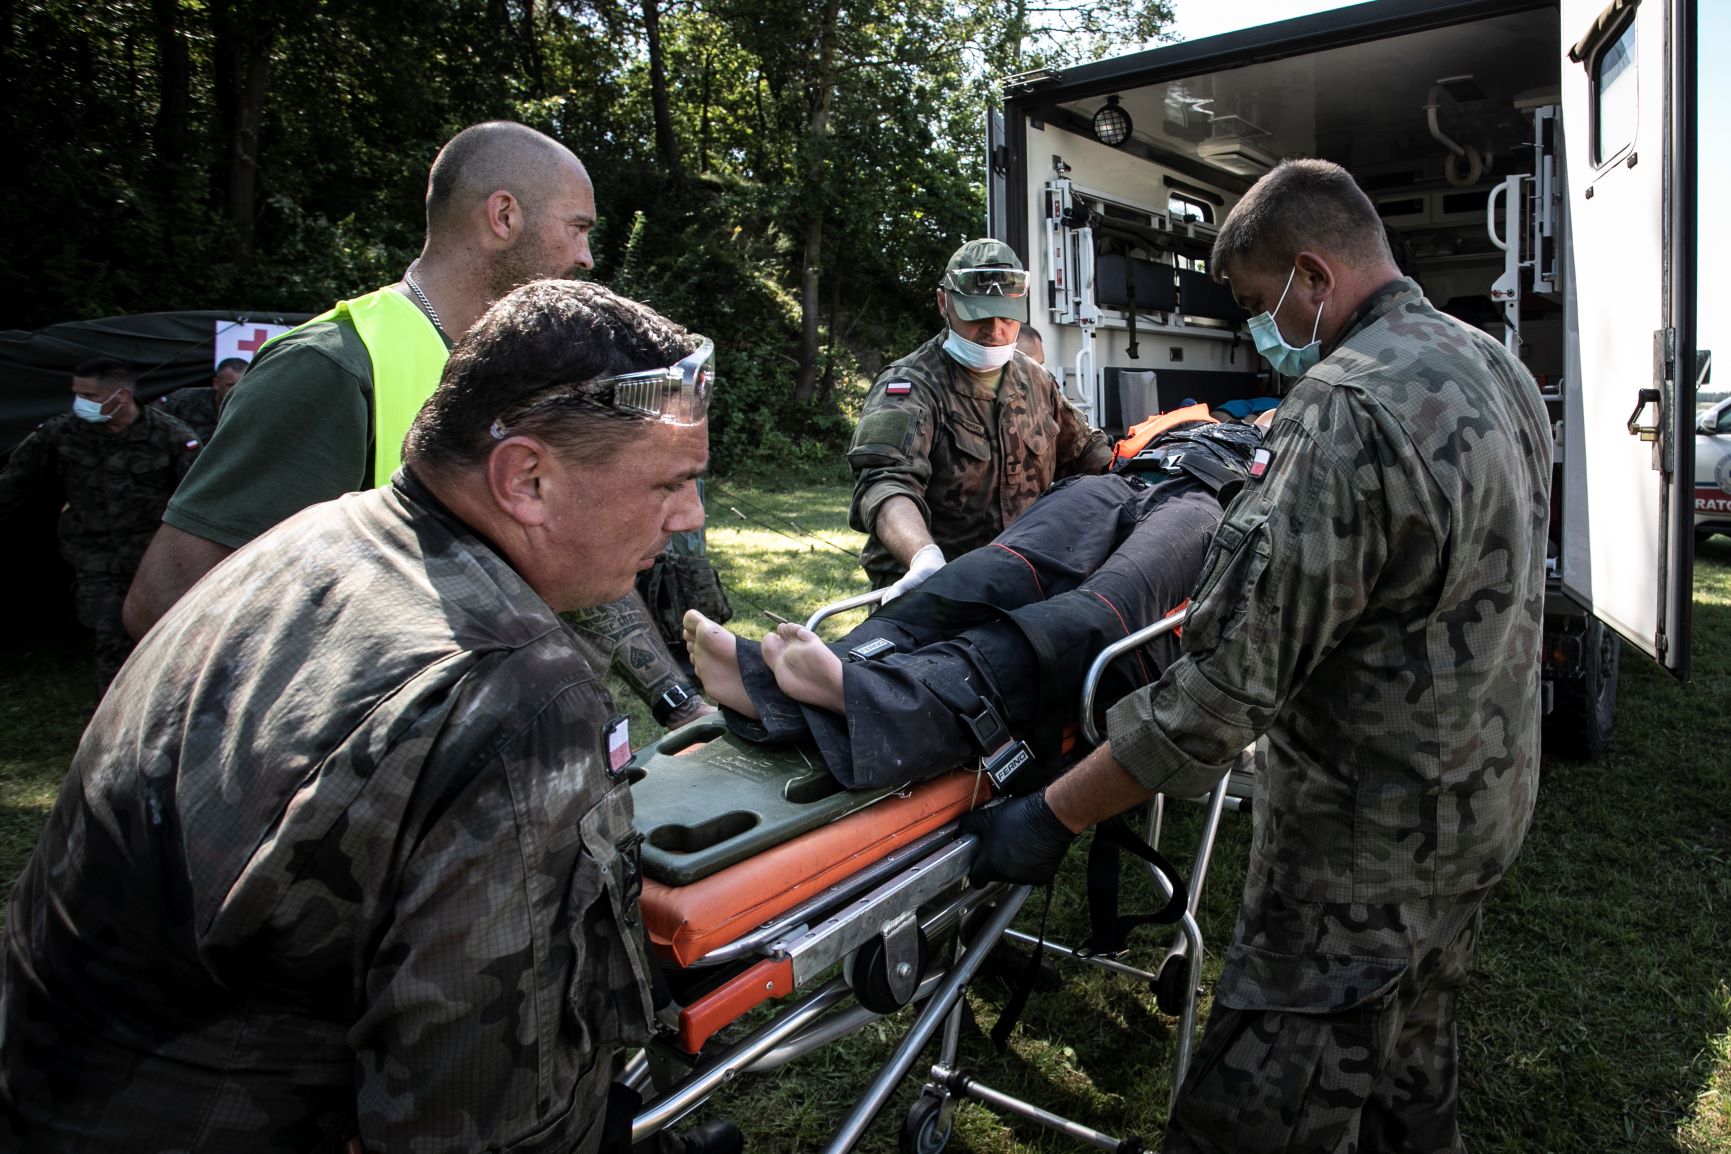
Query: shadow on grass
x,y
47,692
1599,1013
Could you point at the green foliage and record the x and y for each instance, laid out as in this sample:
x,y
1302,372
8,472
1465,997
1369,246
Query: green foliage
x,y
852,145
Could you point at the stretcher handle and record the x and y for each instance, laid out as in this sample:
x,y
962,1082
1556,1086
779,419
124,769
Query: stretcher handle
x,y
1091,683
842,606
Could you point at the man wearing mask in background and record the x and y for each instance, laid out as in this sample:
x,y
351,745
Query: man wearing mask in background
x,y
114,463
198,406
957,438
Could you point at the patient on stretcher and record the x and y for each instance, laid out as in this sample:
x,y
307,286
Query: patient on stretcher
x,y
999,640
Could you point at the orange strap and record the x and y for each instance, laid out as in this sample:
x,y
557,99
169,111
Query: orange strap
x,y
1140,434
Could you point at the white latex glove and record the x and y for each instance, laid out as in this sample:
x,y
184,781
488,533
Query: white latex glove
x,y
927,561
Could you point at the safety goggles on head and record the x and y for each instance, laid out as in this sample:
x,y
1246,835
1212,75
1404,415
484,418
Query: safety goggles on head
x,y
676,395
996,280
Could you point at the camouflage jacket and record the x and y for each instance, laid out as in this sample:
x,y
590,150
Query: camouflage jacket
x,y
972,458
195,406
114,485
337,855
1372,602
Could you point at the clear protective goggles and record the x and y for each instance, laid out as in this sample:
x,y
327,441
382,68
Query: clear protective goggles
x,y
676,395
994,280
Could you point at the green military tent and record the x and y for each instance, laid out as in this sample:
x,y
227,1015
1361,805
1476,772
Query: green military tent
x,y
169,351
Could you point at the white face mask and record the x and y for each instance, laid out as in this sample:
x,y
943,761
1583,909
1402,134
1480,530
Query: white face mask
x,y
86,409
980,358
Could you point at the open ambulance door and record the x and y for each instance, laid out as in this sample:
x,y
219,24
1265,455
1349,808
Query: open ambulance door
x,y
1628,96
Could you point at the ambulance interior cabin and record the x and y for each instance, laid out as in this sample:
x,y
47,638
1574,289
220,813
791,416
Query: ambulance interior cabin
x,y
1138,178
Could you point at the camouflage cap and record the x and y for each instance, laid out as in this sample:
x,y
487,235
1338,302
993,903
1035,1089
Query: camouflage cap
x,y
984,253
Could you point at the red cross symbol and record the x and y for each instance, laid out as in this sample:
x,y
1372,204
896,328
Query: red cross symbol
x,y
259,337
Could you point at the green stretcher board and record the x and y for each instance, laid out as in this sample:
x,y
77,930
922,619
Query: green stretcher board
x,y
709,799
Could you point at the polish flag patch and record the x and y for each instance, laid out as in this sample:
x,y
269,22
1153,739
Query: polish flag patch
x,y
618,743
1259,462
899,388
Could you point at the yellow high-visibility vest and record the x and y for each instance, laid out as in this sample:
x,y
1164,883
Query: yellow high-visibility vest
x,y
408,354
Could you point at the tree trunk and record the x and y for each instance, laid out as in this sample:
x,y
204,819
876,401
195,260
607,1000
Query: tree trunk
x,y
703,122
529,47
759,161
173,86
666,145
805,378
222,87
826,383
243,147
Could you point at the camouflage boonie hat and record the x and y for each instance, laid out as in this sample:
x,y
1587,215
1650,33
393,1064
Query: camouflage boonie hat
x,y
984,253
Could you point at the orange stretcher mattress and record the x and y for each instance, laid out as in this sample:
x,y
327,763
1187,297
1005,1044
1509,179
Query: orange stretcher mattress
x,y
687,922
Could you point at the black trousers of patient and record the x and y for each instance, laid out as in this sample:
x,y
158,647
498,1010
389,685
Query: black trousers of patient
x,y
1015,624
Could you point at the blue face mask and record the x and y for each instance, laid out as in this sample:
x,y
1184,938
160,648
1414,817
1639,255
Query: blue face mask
x,y
1265,331
86,409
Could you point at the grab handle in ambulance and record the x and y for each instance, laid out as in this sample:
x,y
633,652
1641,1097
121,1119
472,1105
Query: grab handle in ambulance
x,y
1091,683
1084,357
1499,190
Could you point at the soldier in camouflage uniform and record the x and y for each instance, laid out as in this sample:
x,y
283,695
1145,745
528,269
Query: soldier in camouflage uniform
x,y
344,854
114,464
961,435
1372,606
199,406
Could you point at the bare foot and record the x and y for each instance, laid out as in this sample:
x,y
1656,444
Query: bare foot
x,y
804,667
714,654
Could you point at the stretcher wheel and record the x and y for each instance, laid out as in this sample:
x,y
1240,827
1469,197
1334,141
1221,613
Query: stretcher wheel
x,y
925,1130
1171,987
868,975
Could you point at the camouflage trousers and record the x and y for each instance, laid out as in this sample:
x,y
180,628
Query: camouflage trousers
x,y
1333,1030
98,598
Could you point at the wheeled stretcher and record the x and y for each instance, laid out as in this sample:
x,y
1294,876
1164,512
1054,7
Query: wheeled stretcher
x,y
762,876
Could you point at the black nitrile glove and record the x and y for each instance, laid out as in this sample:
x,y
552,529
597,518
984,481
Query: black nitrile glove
x,y
1021,841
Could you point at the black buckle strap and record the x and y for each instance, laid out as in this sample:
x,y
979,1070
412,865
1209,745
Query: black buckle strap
x,y
872,650
1005,766
1024,987
1158,457
1110,930
987,728
1003,756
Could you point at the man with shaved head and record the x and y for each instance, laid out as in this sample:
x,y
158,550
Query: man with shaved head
x,y
324,408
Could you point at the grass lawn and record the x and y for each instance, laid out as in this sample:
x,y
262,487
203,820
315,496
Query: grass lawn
x,y
1599,1018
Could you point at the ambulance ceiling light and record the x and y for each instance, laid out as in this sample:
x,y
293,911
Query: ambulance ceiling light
x,y
1112,123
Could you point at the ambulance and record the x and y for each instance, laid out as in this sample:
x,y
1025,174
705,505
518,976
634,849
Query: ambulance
x,y
1534,164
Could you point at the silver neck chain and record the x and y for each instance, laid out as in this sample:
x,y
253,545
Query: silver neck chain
x,y
432,313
